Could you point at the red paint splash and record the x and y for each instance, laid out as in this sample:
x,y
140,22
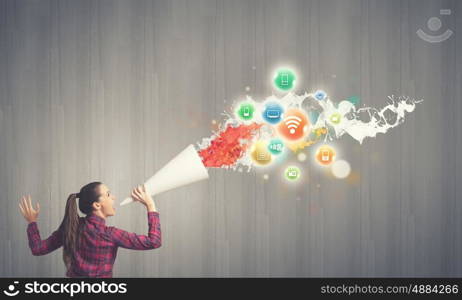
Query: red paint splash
x,y
226,148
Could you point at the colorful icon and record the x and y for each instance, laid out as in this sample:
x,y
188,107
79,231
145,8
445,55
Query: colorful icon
x,y
284,79
292,173
325,155
272,113
294,125
260,154
335,118
275,146
245,111
320,95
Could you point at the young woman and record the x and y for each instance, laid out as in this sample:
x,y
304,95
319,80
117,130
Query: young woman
x,y
89,246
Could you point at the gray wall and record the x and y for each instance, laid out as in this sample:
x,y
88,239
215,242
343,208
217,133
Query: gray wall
x,y
111,90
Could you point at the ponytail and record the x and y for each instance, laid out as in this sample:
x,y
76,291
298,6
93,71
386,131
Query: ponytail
x,y
70,229
70,224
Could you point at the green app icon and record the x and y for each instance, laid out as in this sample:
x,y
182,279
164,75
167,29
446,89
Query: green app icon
x,y
285,79
246,111
292,173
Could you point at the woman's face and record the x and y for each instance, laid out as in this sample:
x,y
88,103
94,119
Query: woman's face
x,y
106,201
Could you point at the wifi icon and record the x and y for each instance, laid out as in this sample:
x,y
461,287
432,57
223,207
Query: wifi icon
x,y
293,125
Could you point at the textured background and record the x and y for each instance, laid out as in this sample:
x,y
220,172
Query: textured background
x,y
111,90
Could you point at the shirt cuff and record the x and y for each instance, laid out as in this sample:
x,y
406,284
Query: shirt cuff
x,y
153,213
31,224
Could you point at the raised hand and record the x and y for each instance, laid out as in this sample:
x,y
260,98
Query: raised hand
x,y
139,194
27,210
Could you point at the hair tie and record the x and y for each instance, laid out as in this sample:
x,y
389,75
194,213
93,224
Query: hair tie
x,y
77,195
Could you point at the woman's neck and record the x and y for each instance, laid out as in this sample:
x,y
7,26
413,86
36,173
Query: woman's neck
x,y
99,214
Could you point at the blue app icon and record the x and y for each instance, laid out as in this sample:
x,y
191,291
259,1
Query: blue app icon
x,y
273,113
320,95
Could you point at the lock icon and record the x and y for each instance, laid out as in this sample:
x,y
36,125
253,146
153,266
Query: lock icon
x,y
325,156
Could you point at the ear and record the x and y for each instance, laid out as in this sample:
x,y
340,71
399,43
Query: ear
x,y
96,206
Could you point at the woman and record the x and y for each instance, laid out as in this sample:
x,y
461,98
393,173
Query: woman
x,y
89,246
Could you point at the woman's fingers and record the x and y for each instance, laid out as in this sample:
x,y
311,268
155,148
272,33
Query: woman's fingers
x,y
38,207
135,196
138,194
143,191
139,190
25,209
29,201
25,205
22,209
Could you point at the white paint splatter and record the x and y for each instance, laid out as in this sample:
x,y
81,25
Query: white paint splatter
x,y
359,123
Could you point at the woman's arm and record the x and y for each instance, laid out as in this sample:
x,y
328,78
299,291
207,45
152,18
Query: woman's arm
x,y
37,246
135,241
128,240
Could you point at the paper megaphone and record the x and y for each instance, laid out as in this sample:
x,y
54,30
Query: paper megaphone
x,y
185,168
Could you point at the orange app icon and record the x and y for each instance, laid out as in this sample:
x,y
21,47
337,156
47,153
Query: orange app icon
x,y
325,155
293,127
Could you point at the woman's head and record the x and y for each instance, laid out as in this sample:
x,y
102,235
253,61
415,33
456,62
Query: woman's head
x,y
96,198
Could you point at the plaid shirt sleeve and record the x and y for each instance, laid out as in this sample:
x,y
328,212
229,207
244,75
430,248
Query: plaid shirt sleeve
x,y
134,241
39,246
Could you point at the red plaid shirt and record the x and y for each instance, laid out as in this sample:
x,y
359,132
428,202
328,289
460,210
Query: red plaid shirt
x,y
98,245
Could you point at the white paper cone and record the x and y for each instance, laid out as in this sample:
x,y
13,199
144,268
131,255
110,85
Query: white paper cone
x,y
185,168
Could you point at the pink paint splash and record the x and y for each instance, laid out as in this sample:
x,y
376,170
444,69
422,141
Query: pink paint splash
x,y
230,145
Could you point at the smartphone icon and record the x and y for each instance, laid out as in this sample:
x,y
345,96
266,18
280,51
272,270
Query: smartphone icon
x,y
246,111
285,79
